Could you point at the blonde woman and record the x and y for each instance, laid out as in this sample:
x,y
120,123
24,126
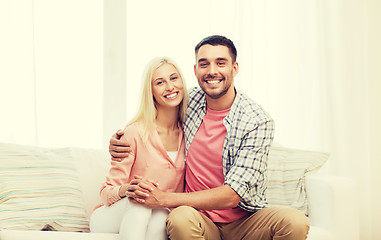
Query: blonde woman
x,y
158,152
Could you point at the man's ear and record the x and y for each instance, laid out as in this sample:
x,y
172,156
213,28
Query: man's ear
x,y
194,69
235,68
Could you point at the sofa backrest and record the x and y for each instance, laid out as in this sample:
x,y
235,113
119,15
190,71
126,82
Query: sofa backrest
x,y
70,193
287,169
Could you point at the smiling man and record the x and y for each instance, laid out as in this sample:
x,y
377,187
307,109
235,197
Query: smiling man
x,y
228,137
215,71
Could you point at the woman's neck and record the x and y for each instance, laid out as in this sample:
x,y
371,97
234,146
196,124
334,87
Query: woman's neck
x,y
167,118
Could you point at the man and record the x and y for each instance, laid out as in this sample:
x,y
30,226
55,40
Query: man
x,y
227,143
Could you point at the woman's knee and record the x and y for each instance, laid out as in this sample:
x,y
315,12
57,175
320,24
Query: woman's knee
x,y
108,219
101,224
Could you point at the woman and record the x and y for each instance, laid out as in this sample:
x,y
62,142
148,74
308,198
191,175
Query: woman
x,y
158,153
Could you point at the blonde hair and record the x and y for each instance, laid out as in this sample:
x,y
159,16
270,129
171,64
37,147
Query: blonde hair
x,y
146,114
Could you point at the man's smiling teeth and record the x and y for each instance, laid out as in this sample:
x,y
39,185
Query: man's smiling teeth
x,y
171,95
213,81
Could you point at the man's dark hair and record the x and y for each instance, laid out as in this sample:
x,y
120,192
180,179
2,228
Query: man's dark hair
x,y
216,40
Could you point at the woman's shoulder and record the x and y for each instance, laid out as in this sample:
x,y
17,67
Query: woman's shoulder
x,y
131,131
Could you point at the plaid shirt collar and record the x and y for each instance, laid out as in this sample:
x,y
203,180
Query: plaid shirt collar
x,y
197,110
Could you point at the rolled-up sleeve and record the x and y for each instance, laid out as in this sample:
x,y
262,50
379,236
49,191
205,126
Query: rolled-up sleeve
x,y
247,175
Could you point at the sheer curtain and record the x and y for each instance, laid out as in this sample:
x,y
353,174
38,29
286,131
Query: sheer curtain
x,y
51,72
316,78
313,65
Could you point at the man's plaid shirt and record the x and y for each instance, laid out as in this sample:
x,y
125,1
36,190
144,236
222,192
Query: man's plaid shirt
x,y
250,132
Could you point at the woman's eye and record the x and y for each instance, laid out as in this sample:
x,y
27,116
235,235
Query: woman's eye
x,y
159,82
174,78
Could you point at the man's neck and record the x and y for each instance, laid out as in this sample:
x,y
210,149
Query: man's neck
x,y
222,103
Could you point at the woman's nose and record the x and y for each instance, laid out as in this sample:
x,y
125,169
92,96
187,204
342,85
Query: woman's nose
x,y
170,86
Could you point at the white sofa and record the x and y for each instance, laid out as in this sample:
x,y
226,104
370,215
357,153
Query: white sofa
x,y
329,206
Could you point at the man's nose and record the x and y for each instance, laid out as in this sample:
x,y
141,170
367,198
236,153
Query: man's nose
x,y
212,69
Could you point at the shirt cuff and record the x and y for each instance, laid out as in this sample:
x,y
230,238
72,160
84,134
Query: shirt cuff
x,y
115,194
238,187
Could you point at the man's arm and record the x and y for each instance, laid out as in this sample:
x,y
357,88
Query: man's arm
x,y
118,148
211,199
248,174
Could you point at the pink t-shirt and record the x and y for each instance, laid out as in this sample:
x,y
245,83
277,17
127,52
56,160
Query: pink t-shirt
x,y
204,163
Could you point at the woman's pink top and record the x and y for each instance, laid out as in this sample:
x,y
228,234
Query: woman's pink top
x,y
149,161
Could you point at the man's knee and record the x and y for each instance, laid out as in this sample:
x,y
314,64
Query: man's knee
x,y
301,224
181,222
181,215
296,223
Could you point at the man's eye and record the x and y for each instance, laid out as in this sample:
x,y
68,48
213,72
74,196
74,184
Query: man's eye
x,y
221,64
203,64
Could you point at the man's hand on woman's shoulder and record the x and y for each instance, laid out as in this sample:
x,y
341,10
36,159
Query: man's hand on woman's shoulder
x,y
118,148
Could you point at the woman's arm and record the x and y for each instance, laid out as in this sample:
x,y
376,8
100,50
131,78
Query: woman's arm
x,y
117,179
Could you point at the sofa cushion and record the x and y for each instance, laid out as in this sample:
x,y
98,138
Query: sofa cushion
x,y
39,187
287,169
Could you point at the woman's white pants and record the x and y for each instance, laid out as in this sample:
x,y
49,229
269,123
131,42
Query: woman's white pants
x,y
131,221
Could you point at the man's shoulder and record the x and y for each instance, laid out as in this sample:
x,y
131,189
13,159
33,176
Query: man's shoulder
x,y
246,106
195,92
196,96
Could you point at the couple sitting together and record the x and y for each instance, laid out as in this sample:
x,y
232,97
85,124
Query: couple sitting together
x,y
219,192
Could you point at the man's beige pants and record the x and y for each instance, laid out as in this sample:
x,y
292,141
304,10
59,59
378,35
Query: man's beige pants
x,y
273,223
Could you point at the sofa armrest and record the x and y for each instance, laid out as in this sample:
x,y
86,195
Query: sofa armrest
x,y
92,166
332,205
